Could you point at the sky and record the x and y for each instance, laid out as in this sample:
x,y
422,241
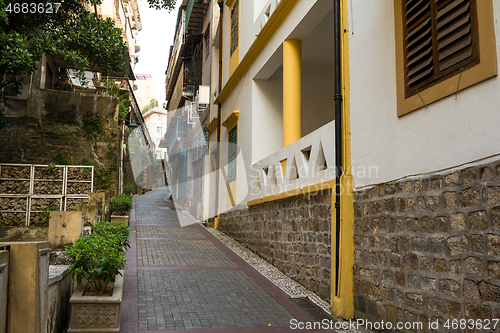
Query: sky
x,y
155,38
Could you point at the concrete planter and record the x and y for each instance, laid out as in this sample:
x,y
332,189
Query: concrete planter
x,y
96,313
120,218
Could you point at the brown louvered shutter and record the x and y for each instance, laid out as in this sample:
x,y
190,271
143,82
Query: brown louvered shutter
x,y
440,40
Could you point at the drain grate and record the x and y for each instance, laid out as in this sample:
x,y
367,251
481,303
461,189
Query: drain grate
x,y
317,313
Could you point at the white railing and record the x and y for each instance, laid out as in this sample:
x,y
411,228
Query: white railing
x,y
308,161
179,40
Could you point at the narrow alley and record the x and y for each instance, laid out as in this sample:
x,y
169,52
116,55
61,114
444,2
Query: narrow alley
x,y
184,278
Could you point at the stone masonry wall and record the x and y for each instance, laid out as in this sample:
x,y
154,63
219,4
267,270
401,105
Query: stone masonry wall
x,y
58,125
429,248
293,235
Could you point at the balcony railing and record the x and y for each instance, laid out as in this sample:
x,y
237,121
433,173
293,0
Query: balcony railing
x,y
308,161
176,49
264,15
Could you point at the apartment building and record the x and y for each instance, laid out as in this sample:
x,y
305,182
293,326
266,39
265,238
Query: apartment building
x,y
400,97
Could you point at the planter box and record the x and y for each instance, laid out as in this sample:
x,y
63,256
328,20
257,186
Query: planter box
x,y
120,218
96,313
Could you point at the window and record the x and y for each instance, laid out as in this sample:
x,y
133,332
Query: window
x,y
158,129
206,42
235,26
440,39
438,43
232,153
148,89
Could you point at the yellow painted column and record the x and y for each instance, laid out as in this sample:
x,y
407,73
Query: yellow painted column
x,y
343,303
292,91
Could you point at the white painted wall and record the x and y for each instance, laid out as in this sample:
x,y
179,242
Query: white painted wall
x,y
267,117
142,95
156,117
258,6
260,130
447,134
318,105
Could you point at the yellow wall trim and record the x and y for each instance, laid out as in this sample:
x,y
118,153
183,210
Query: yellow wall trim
x,y
230,3
293,193
231,120
342,299
279,15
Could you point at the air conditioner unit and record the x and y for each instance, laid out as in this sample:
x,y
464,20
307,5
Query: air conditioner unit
x,y
204,94
202,99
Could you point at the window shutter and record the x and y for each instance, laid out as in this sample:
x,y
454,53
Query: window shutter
x,y
235,13
232,153
439,40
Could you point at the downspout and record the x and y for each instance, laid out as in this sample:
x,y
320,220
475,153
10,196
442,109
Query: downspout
x,y
217,185
120,172
338,131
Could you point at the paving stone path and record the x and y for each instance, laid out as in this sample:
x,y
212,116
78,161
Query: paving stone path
x,y
185,279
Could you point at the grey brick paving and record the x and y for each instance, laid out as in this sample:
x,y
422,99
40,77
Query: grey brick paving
x,y
153,231
154,215
182,299
175,252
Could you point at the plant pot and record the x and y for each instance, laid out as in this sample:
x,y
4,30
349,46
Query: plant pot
x,y
120,218
96,313
139,190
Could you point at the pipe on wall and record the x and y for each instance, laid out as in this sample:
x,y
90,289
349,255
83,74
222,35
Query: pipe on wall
x,y
338,130
217,179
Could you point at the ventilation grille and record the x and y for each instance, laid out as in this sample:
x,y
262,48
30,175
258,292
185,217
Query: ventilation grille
x,y
317,313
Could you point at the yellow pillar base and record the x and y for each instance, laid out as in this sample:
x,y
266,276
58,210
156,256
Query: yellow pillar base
x,y
342,301
216,222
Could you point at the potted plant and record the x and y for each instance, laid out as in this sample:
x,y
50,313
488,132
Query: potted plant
x,y
97,262
128,188
140,188
119,207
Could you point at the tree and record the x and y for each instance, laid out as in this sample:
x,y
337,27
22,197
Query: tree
x,y
74,34
151,105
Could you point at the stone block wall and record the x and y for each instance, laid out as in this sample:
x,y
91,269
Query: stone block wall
x,y
428,248
64,128
293,235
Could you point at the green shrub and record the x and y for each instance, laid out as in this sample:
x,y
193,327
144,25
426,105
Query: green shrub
x,y
128,188
141,184
98,259
122,203
52,207
114,228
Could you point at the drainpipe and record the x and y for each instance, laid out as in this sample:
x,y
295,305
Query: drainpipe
x,y
337,35
221,13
